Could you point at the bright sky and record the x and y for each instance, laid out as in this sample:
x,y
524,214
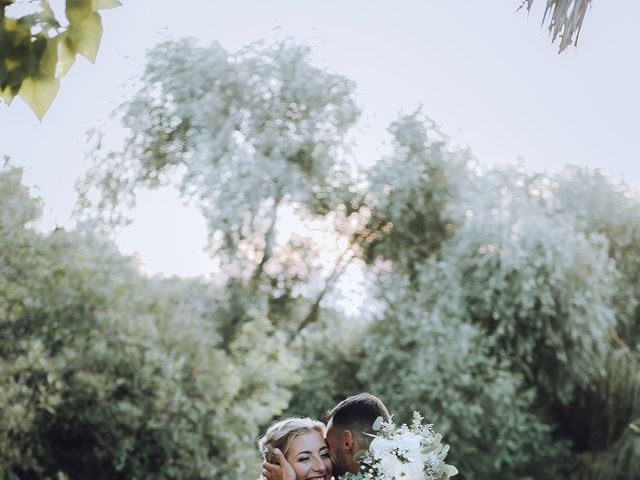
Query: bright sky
x,y
486,73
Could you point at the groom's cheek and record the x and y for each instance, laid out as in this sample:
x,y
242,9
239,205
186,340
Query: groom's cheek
x,y
332,454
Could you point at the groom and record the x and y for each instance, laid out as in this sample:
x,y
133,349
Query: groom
x,y
349,426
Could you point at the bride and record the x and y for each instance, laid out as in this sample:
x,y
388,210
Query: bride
x,y
303,449
302,443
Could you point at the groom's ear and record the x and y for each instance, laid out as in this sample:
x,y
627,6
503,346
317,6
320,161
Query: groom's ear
x,y
348,441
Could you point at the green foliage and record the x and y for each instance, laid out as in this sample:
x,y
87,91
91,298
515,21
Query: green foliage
x,y
248,137
547,273
610,411
548,307
588,198
106,374
408,193
609,433
422,355
36,50
239,133
331,353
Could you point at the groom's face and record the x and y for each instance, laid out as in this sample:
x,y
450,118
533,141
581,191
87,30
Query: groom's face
x,y
341,463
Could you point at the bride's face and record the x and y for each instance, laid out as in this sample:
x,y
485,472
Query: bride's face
x,y
309,456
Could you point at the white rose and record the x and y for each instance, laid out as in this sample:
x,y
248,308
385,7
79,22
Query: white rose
x,y
381,447
412,470
410,443
393,468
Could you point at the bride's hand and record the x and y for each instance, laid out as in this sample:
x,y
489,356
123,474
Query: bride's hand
x,y
281,470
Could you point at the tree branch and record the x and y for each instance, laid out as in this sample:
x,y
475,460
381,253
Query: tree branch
x,y
343,262
269,237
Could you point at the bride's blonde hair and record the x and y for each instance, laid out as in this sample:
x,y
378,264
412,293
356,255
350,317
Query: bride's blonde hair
x,y
281,434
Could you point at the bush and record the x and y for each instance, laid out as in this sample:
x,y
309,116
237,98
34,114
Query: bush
x,y
107,374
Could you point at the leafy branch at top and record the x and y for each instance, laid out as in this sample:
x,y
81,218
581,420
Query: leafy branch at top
x,y
565,19
36,50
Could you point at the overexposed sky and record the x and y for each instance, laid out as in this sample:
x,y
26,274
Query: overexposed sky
x,y
486,73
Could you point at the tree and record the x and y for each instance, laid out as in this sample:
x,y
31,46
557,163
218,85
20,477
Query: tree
x,y
249,131
245,136
36,50
422,354
408,193
549,306
107,374
596,205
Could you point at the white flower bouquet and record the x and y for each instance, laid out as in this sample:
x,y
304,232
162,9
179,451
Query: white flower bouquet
x,y
404,453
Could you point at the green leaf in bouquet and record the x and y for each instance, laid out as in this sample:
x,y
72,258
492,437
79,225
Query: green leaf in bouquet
x,y
358,456
450,470
443,452
378,423
428,450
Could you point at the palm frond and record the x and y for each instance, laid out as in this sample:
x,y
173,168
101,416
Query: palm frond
x,y
565,19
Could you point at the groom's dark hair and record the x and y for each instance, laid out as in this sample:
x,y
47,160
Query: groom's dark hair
x,y
358,413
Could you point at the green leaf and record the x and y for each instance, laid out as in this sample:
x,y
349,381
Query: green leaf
x,y
105,4
47,15
46,8
43,18
428,450
66,54
378,423
18,70
86,36
4,73
450,470
39,45
49,58
7,95
39,94
18,32
358,456
78,10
